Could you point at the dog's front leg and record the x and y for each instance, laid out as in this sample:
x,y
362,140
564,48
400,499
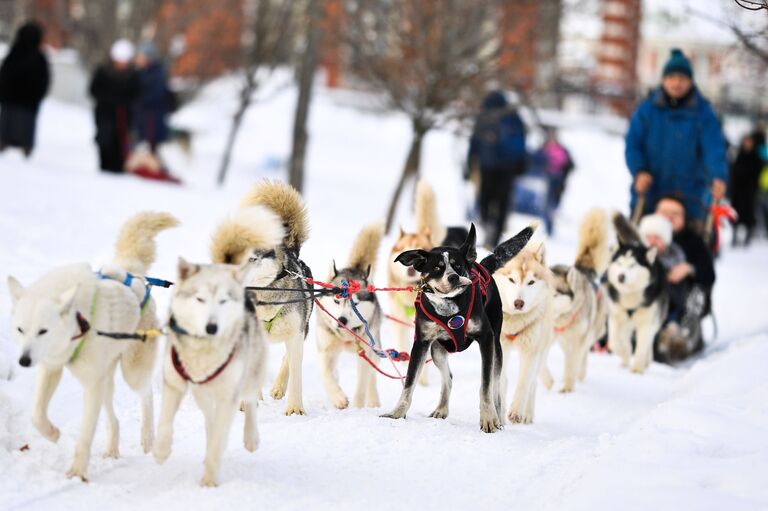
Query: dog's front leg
x,y
170,405
440,359
620,336
646,331
489,419
251,430
47,381
295,350
93,400
217,440
328,358
526,377
418,355
571,356
281,380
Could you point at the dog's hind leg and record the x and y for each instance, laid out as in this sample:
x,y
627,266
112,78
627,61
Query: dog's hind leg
x,y
113,427
295,348
584,354
546,376
372,394
498,363
222,414
93,399
281,380
415,365
137,364
170,405
251,430
489,420
440,359
571,358
47,381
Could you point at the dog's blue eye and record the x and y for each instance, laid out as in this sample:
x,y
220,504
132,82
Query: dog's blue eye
x,y
42,331
20,330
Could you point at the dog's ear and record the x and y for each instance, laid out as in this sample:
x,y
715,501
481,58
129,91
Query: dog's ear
x,y
539,253
401,233
572,277
468,247
335,271
650,255
67,300
415,258
16,289
186,269
367,272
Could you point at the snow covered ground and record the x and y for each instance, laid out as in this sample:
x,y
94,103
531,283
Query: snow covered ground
x,y
691,437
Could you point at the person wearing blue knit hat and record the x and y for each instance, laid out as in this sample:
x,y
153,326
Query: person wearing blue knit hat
x,y
675,145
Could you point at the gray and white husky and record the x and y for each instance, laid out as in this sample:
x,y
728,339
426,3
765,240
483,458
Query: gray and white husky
x,y
268,232
637,289
216,350
332,338
581,310
59,320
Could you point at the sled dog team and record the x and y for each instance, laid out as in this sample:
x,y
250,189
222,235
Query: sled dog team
x,y
258,290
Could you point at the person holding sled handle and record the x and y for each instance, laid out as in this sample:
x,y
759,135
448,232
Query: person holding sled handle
x,y
675,145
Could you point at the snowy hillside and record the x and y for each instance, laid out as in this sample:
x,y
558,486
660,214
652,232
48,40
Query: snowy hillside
x,y
690,437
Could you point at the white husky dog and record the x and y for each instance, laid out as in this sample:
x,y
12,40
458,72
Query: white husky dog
x,y
525,286
332,338
58,322
216,349
581,310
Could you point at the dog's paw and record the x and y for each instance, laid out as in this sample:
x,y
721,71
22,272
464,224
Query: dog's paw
x,y
548,381
77,471
393,415
340,401
47,430
251,444
295,409
519,418
147,439
490,424
161,452
278,391
439,413
209,481
111,452
373,402
637,369
567,389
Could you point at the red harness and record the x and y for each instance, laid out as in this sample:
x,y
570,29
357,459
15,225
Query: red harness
x,y
480,280
176,361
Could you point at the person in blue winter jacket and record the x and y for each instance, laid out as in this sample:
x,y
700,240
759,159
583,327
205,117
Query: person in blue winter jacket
x,y
152,106
675,145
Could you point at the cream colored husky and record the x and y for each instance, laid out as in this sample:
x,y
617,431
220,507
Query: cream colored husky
x,y
58,322
525,286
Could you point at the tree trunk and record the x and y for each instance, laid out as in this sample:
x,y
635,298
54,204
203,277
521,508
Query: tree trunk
x,y
410,172
249,86
306,77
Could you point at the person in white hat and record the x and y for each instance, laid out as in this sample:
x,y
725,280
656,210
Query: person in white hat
x,y
115,87
656,231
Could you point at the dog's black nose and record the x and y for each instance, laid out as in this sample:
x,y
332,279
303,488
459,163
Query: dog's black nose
x,y
519,304
211,328
343,320
25,361
411,272
453,279
622,278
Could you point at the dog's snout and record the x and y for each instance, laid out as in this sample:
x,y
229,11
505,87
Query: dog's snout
x,y
622,278
519,304
211,328
343,320
453,279
25,361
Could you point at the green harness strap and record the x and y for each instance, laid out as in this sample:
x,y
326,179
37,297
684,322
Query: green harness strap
x,y
268,323
410,310
80,345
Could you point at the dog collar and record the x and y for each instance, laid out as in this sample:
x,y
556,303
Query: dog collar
x,y
176,361
512,337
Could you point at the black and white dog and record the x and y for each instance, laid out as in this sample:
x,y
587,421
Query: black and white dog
x,y
459,303
639,300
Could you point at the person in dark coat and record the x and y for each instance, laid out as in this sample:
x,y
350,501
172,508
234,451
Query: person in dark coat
x,y
24,81
152,108
115,87
675,145
745,175
497,148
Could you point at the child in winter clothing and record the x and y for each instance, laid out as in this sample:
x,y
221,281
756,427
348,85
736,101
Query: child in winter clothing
x,y
656,231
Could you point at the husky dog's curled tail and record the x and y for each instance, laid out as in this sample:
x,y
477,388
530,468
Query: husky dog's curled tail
x,y
366,247
427,219
252,228
625,231
287,203
593,254
135,247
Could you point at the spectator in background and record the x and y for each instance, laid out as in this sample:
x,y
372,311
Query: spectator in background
x,y
559,165
745,174
24,81
152,106
675,145
497,148
115,87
